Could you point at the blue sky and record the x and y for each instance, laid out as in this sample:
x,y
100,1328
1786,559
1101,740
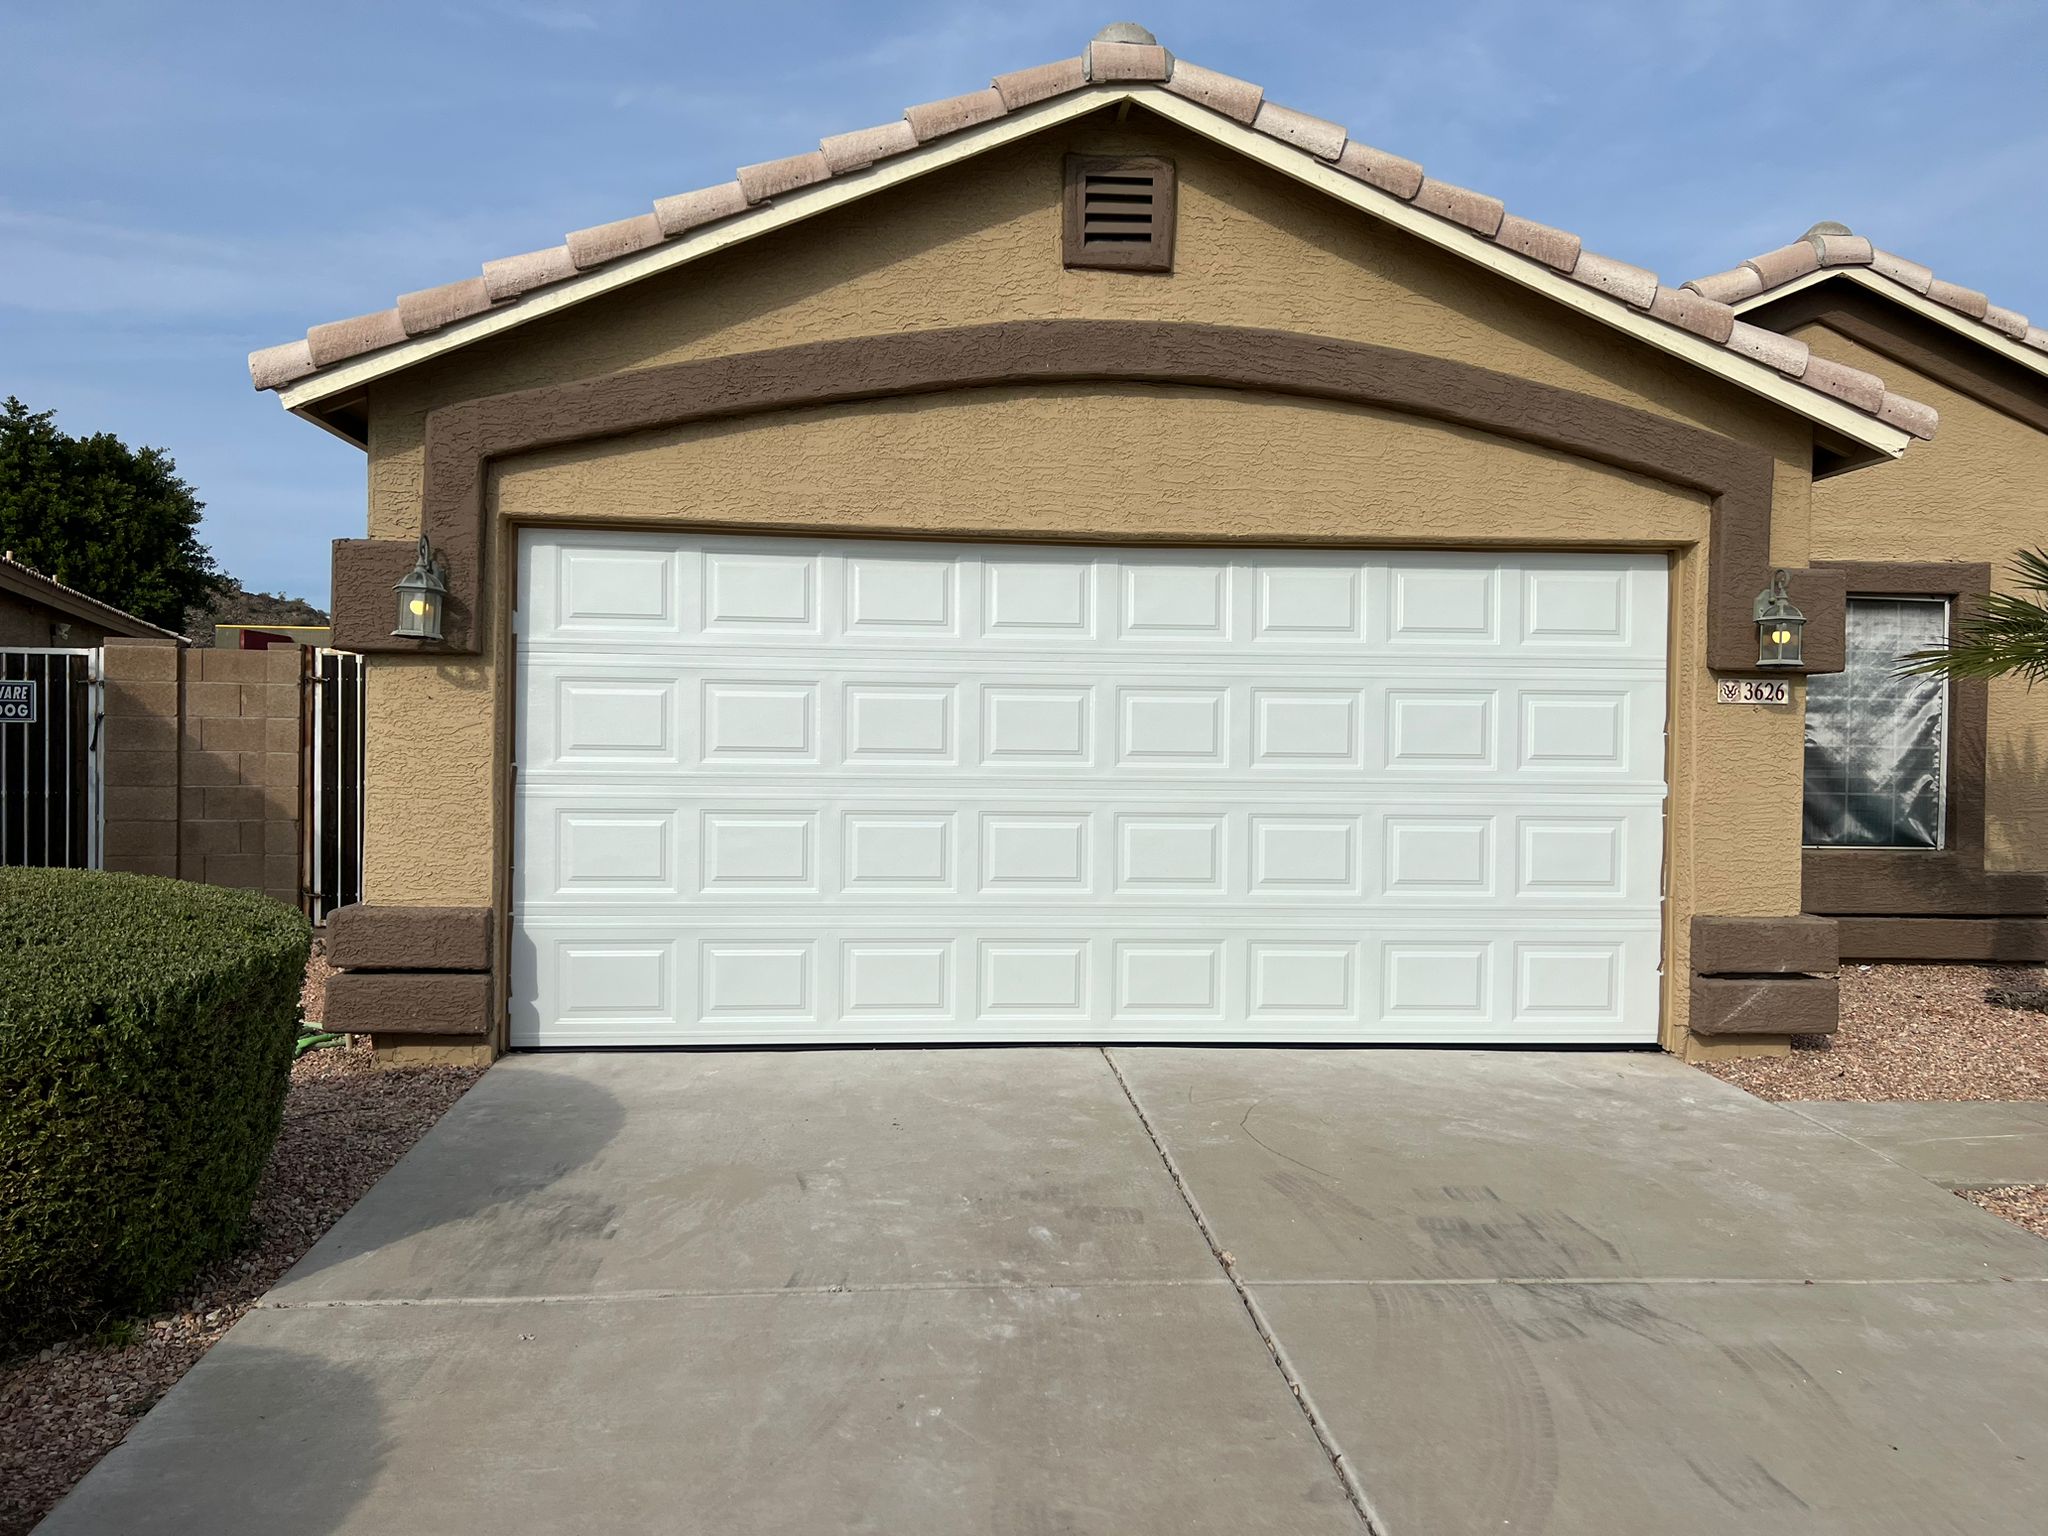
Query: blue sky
x,y
182,183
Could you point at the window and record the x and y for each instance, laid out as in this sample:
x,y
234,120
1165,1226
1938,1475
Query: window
x,y
1119,213
1876,742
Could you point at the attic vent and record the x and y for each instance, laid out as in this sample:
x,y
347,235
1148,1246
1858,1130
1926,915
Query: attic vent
x,y
1119,213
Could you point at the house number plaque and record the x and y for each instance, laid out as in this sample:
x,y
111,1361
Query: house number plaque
x,y
1754,690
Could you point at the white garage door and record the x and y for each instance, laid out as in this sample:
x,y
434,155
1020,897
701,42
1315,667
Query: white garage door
x,y
781,790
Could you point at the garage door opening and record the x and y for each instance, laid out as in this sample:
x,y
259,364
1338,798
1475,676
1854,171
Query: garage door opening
x,y
783,791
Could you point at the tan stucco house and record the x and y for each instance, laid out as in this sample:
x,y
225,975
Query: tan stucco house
x,y
1109,556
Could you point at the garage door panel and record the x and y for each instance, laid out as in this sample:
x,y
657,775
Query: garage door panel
x,y
772,790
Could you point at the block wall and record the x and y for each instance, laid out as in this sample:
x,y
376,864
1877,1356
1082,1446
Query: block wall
x,y
202,764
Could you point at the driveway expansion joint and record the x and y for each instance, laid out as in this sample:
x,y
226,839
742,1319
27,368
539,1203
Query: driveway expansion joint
x,y
679,1293
1354,1491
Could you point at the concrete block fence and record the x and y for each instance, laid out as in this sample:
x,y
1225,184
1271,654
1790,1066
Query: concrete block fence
x,y
202,764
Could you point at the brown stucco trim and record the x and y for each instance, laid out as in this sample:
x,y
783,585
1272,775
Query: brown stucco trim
x,y
386,1003
1950,881
463,439
1853,312
1764,1005
1751,946
376,938
2003,940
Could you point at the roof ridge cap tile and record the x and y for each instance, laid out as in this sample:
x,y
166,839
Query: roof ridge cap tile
x,y
1041,82
1318,135
686,211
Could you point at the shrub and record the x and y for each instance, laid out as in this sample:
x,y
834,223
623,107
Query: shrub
x,y
146,1033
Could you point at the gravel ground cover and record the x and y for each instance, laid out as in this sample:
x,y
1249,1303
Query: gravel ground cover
x,y
1918,1032
2024,1205
345,1124
313,997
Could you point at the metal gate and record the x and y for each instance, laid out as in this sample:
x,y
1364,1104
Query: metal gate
x,y
51,758
331,740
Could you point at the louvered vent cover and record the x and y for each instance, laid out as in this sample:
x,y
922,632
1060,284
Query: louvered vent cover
x,y
1120,213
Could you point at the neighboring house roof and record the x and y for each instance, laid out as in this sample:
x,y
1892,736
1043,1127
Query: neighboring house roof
x,y
1124,62
1829,250
30,583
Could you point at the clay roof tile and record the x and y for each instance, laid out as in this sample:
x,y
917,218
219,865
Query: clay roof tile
x,y
1785,263
1127,61
1730,287
337,339
1694,312
860,149
510,276
689,210
1022,87
1461,205
430,309
1909,274
1633,285
1908,415
1234,98
601,243
2010,321
1787,354
772,178
936,119
1555,248
1390,173
1967,301
1863,390
1321,138
275,367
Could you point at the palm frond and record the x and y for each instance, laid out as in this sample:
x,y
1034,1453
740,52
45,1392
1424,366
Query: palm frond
x,y
2007,634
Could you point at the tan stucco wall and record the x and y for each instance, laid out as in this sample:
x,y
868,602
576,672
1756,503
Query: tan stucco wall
x,y
1978,491
982,243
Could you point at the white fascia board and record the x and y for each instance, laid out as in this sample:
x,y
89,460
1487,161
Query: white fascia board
x,y
1975,330
1297,164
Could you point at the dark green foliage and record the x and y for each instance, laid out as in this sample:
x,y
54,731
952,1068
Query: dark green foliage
x,y
2007,633
146,1034
113,521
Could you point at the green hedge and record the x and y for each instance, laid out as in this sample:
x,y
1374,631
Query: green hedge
x,y
146,1031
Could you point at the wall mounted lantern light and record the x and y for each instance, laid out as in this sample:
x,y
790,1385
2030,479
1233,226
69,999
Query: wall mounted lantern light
x,y
421,597
1780,627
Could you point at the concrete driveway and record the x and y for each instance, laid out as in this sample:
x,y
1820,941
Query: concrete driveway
x,y
1044,1292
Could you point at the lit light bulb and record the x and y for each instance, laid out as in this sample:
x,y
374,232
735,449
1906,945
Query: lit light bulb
x,y
418,605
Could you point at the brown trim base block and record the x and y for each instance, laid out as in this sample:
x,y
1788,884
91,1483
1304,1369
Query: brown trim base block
x,y
383,1003
1755,946
463,439
374,938
1952,940
1765,1005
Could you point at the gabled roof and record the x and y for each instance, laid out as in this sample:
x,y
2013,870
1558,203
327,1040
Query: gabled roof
x,y
28,582
1124,62
1830,249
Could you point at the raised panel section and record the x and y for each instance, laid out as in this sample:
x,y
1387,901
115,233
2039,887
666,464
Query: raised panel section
x,y
1310,603
758,851
1044,852
1442,855
1169,853
754,980
1573,856
1025,723
617,589
899,979
759,722
1041,980
618,720
760,591
896,722
1576,731
1579,983
615,982
1300,727
886,851
1576,607
614,852
1183,980
1440,729
900,596
1304,981
1039,601
1453,604
1172,725
1304,854
1175,602
1443,983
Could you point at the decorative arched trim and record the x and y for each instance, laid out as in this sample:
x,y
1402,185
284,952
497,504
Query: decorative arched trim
x,y
463,439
